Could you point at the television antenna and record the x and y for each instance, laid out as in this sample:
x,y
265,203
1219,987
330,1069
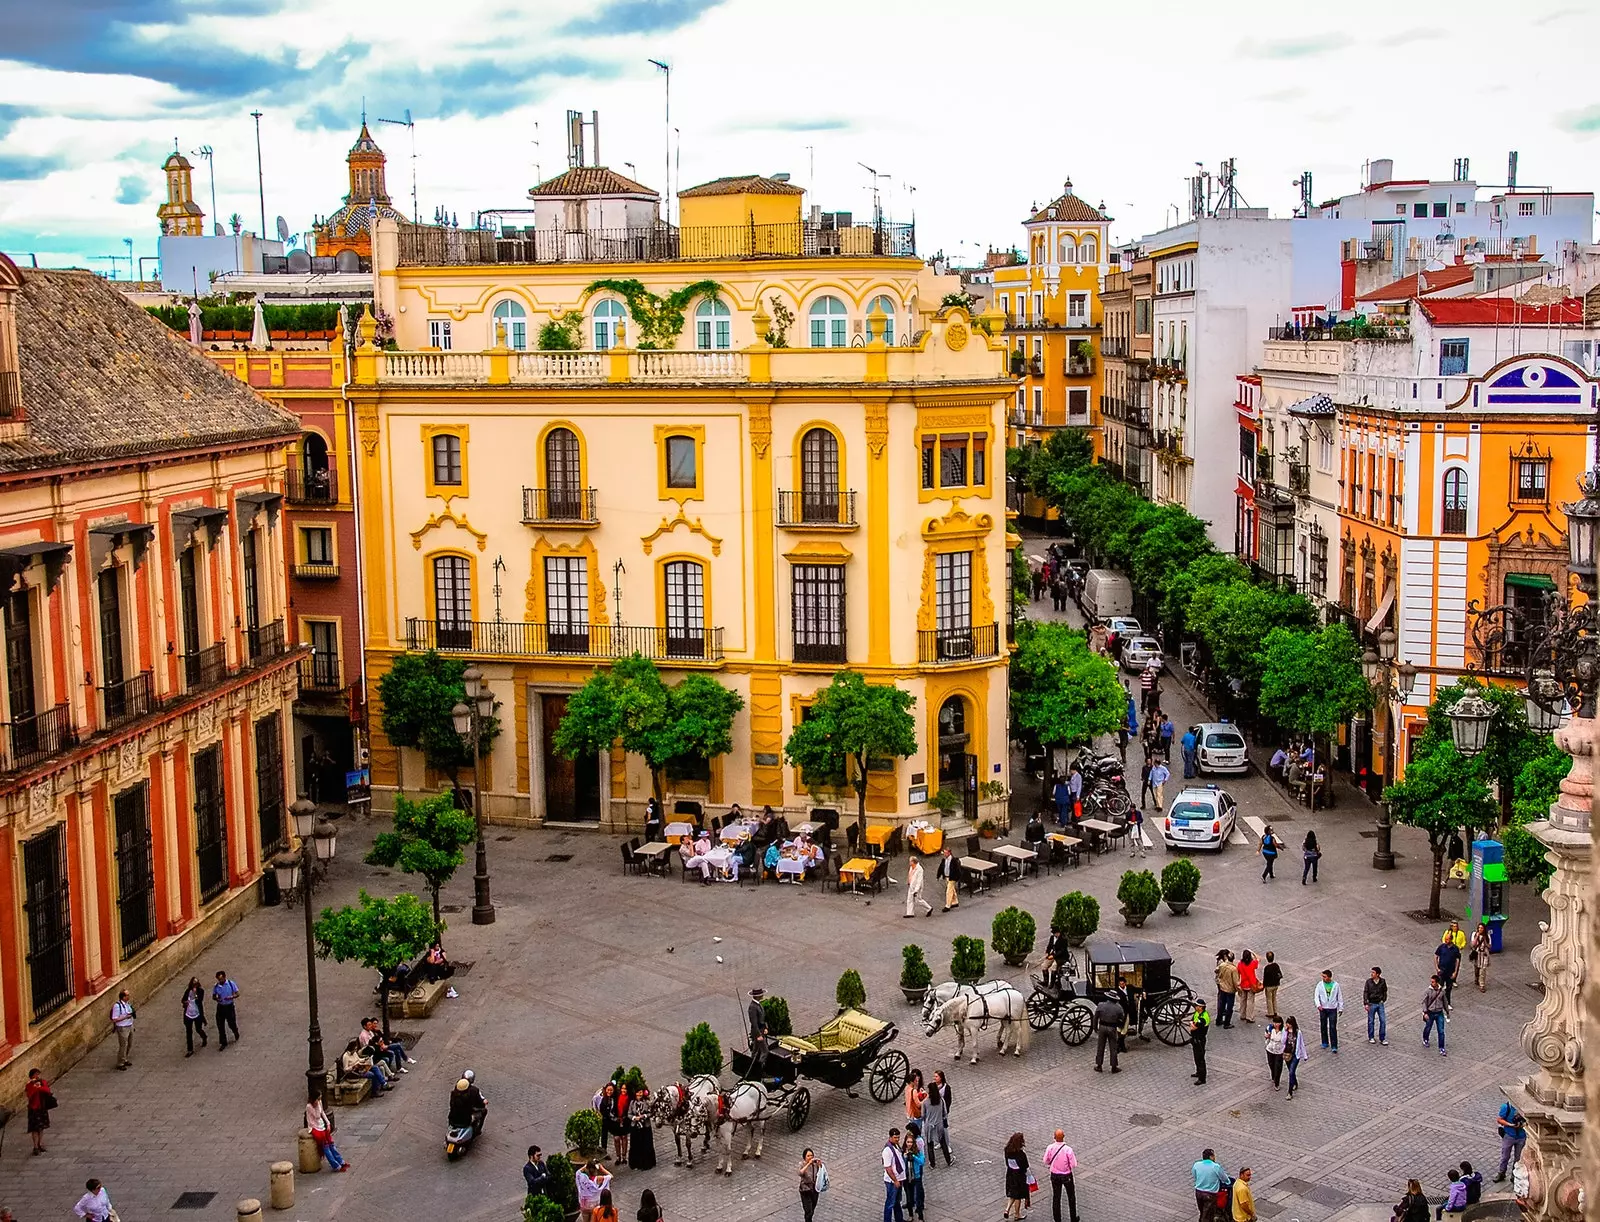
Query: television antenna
x,y
409,125
206,151
877,207
666,191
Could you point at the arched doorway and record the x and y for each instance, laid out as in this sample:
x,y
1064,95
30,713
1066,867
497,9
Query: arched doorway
x,y
316,477
958,767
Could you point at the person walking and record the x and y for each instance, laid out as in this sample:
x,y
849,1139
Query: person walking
x,y
810,1171
1433,1006
1199,1028
1447,958
1110,1016
1479,955
123,1016
1061,795
1075,790
1330,1004
1249,984
95,1203
1312,853
649,1210
40,1100
1271,981
1158,784
1061,1162
914,880
950,871
1147,686
1277,1040
1164,737
916,1152
1513,1130
1146,794
936,1118
1208,1180
1375,996
1271,846
1017,1195
226,995
1294,1048
1243,1200
322,1133
1227,988
1190,747
194,1014
894,1175
1136,832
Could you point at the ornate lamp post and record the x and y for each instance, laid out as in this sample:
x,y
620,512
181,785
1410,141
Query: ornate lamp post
x,y
469,719
1391,685
1558,656
318,839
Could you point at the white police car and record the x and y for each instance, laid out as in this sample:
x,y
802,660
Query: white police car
x,y
1220,747
1200,817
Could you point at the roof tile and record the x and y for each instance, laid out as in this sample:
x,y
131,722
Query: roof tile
x,y
590,180
743,184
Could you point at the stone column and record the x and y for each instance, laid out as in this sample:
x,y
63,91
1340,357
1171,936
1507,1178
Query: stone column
x,y
1553,1099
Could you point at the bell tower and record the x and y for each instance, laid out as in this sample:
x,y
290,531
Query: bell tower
x,y
180,216
366,162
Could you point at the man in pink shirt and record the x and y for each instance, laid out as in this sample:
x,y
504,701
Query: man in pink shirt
x,y
1062,1162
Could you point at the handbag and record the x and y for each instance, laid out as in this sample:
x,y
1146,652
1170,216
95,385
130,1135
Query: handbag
x,y
48,1100
1033,1184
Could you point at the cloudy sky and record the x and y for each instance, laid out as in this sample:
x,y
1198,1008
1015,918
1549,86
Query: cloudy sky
x,y
972,111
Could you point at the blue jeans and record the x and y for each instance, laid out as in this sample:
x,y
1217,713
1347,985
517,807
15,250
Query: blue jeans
x,y
1294,1081
1225,1007
331,1153
891,1203
1189,764
1430,1021
1377,1012
1328,1021
913,1188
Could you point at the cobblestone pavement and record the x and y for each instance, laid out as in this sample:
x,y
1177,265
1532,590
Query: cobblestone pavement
x,y
586,969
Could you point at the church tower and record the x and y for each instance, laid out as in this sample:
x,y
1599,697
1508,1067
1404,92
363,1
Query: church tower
x,y
350,228
180,215
366,161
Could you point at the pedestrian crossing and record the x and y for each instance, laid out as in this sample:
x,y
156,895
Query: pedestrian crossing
x,y
1256,825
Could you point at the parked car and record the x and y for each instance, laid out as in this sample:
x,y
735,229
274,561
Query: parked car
x,y
1125,626
1140,651
1200,817
1220,747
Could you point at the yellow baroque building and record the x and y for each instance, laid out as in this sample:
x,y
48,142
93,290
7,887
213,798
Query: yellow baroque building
x,y
807,475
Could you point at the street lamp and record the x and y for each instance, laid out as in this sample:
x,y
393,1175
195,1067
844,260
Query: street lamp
x,y
1583,519
1470,718
318,839
469,718
1377,664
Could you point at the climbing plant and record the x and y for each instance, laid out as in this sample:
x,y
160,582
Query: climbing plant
x,y
782,320
659,319
560,334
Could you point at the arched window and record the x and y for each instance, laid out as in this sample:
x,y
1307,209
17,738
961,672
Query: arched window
x,y
515,319
1088,251
686,608
828,323
1069,250
1455,502
452,602
819,476
608,316
713,325
563,475
883,304
316,479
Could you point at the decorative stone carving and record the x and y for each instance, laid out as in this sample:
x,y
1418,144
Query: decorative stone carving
x,y
127,759
41,800
760,428
877,428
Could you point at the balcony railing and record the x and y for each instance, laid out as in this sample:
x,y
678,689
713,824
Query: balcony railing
x,y
827,651
971,644
535,640
29,740
1299,478
1114,346
315,570
320,672
436,246
1342,331
1078,366
266,642
817,508
1263,467
205,667
1454,520
559,505
319,487
10,394
126,701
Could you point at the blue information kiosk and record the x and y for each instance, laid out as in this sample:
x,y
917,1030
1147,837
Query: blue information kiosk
x,y
1486,889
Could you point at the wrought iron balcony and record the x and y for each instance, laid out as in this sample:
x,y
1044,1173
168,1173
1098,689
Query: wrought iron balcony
x,y
571,505
265,642
1454,520
831,508
319,487
537,640
205,667
1078,366
1263,467
1300,478
126,701
311,570
822,651
31,740
320,672
973,643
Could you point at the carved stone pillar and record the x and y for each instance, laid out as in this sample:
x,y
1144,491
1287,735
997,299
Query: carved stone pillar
x,y
1553,1099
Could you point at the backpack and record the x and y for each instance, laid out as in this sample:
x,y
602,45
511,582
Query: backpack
x,y
822,1177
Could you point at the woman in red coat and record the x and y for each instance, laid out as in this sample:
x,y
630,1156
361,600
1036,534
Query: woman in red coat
x,y
40,1101
1249,984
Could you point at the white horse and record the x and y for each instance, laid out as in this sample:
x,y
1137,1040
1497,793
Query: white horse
x,y
745,1105
941,993
1005,1006
690,1111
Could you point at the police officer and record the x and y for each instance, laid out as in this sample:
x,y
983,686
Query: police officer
x,y
1199,1028
757,1017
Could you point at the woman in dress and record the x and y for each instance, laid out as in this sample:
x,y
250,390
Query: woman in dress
x,y
1016,1177
194,1015
641,1137
1294,1048
40,1101
613,1126
935,1126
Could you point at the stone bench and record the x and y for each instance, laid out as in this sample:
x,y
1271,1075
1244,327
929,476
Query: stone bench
x,y
419,1002
348,1092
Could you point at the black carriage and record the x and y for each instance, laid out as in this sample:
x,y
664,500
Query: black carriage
x,y
846,1049
1149,991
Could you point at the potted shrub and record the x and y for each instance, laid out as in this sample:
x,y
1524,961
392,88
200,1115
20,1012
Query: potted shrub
x,y
1180,879
1140,894
1077,915
563,1184
945,801
986,829
915,974
777,1011
967,959
1012,935
540,1208
583,1132
1018,362
850,993
701,1052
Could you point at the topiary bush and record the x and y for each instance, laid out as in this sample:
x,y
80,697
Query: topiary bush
x,y
1077,915
563,1183
1140,893
850,993
914,970
633,1080
777,1011
701,1052
1012,934
967,959
540,1208
1180,879
583,1130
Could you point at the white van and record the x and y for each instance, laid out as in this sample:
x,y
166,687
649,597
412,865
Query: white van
x,y
1106,593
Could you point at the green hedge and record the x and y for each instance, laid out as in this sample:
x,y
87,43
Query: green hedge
x,y
316,316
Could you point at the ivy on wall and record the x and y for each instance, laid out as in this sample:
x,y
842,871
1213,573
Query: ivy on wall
x,y
659,319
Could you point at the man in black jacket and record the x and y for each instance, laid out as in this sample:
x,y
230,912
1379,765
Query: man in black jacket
x,y
536,1173
1108,1019
1375,995
757,1020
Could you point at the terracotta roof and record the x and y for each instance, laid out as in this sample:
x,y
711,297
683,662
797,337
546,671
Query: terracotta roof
x,y
1067,207
102,379
1502,311
1408,287
743,184
591,180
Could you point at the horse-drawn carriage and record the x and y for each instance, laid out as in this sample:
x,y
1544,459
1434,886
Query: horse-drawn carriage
x,y
842,1052
1149,991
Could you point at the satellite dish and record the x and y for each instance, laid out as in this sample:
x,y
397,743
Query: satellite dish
x,y
283,231
216,229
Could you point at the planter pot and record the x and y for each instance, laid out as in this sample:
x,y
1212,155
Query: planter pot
x,y
988,834
1179,907
1015,960
1134,920
914,996
297,335
967,979
1077,939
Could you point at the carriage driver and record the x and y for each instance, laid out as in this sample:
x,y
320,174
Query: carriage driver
x,y
758,1033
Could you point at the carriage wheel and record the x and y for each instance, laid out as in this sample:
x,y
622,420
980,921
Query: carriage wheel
x,y
1171,1022
1041,1010
799,1108
1179,987
1077,1020
887,1075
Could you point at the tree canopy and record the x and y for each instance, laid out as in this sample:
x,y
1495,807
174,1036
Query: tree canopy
x,y
378,934
1510,745
851,723
1062,692
427,839
1312,681
416,697
1440,795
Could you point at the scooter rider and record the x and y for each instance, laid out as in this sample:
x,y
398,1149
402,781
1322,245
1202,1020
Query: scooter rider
x,y
468,1108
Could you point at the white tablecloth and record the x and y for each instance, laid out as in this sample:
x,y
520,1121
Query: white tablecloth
x,y
673,830
791,865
